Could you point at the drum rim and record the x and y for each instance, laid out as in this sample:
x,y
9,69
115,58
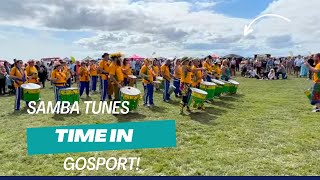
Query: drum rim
x,y
132,76
218,82
211,83
38,86
234,82
204,92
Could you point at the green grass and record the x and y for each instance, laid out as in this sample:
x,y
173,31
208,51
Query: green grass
x,y
266,129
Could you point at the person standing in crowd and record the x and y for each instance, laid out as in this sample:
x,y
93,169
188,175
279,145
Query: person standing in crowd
x,y
315,95
19,76
3,74
77,72
71,67
165,73
116,75
133,66
84,79
177,77
225,71
43,75
186,81
258,65
147,75
137,67
297,65
93,71
304,70
197,74
233,67
67,71
32,72
104,73
209,66
127,71
312,64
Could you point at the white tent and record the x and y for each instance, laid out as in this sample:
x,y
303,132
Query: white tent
x,y
88,58
67,59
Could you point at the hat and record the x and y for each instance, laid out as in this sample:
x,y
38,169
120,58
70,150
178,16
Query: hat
x,y
105,54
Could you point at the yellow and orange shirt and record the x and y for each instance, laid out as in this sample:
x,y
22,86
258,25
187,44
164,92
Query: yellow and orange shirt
x,y
116,71
33,72
84,74
145,70
60,76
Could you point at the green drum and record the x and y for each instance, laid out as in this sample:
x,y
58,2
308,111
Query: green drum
x,y
219,88
161,80
132,95
31,92
197,98
233,86
226,87
171,89
209,88
70,95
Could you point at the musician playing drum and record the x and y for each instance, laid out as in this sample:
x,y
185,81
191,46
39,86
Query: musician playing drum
x,y
177,77
208,65
185,85
93,71
104,73
84,79
127,71
147,74
19,77
197,73
32,73
165,72
59,79
116,75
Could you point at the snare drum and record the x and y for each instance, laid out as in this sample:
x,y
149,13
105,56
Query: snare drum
x,y
31,92
219,88
209,88
161,80
171,89
132,80
132,95
233,87
197,98
70,95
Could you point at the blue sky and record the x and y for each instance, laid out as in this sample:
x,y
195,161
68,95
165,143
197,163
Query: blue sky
x,y
170,28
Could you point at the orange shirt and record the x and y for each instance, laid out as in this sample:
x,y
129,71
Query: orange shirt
x,y
178,72
186,77
197,77
145,70
84,74
166,71
104,66
208,66
33,72
116,71
127,69
156,70
316,76
60,76
93,70
20,74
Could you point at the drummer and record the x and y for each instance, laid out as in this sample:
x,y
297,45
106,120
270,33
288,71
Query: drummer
x,y
19,77
147,74
84,79
177,77
315,98
155,68
165,72
127,71
67,71
197,73
59,79
32,73
186,81
93,71
209,66
104,73
116,75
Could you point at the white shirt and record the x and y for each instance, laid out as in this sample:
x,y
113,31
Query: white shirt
x,y
133,64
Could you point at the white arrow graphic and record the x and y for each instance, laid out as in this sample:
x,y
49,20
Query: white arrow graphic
x,y
247,28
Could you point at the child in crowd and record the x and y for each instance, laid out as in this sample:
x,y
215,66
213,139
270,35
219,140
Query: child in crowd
x,y
271,75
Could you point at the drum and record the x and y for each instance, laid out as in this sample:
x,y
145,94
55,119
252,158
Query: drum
x,y
171,89
219,88
161,80
70,95
209,88
197,98
31,92
226,87
132,95
233,86
132,80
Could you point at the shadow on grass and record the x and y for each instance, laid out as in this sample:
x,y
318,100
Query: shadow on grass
x,y
129,117
202,117
63,117
157,109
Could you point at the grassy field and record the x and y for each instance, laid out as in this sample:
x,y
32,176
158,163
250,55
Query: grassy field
x,y
266,129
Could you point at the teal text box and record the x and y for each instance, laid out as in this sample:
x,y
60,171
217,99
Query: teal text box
x,y
153,134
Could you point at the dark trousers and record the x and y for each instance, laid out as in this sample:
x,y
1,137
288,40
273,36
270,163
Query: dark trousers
x,y
94,80
148,94
84,86
284,75
176,84
166,95
2,86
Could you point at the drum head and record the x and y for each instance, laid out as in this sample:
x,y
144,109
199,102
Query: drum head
x,y
132,77
208,83
31,86
130,91
234,82
70,89
159,78
198,91
157,82
218,82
